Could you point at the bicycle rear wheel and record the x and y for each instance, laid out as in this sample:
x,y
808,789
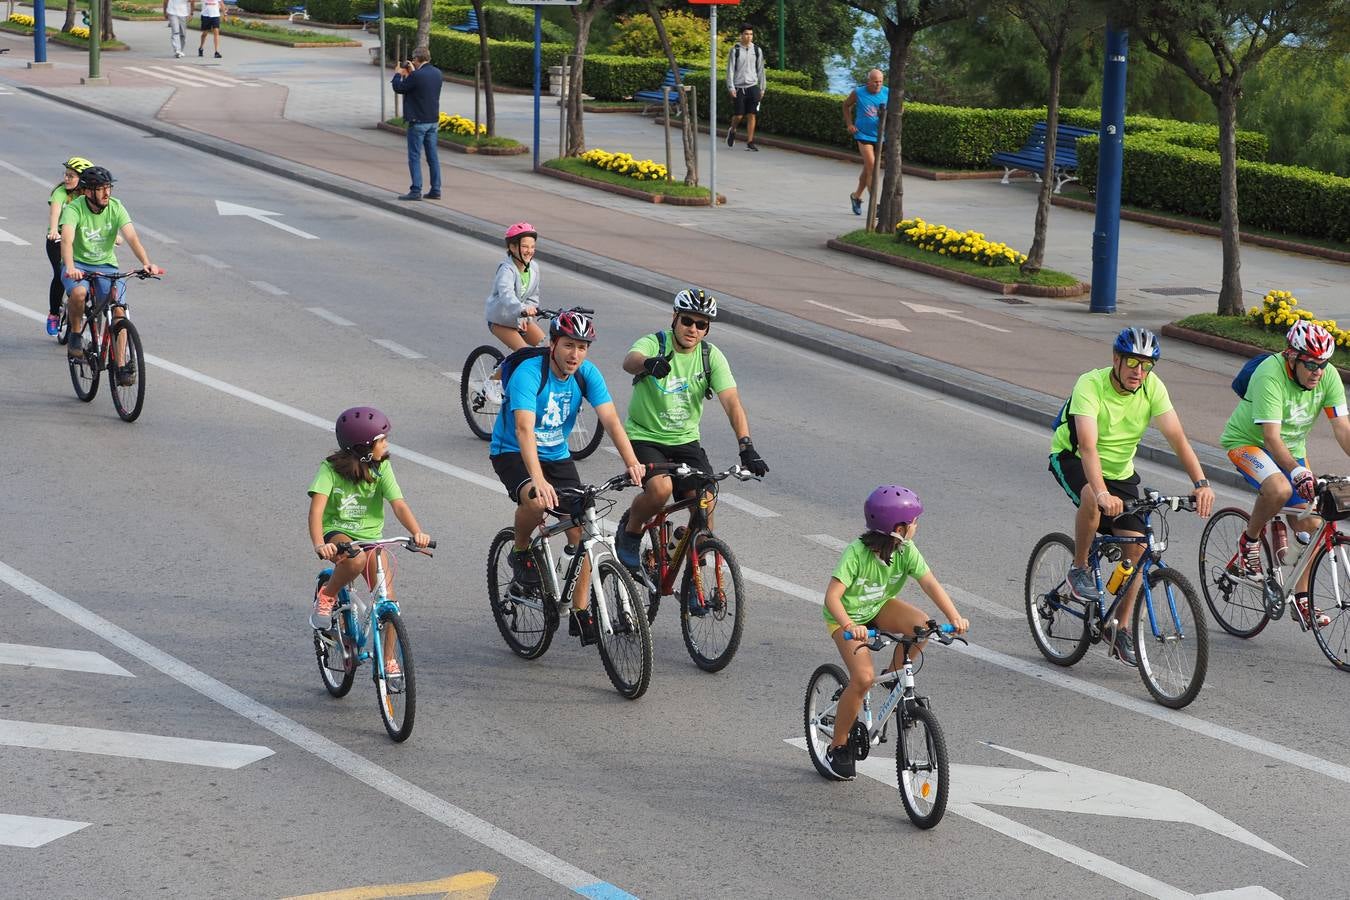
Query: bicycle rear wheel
x,y
480,407
1238,606
1170,638
822,697
712,606
524,622
1059,622
626,650
1329,593
63,326
586,433
128,399
85,370
398,703
338,680
921,769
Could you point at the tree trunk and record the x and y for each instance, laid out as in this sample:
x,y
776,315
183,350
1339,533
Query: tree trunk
x,y
105,24
686,117
423,36
70,16
1230,293
576,128
1036,255
488,105
892,206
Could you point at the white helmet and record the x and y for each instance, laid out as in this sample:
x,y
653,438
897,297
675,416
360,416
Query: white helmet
x,y
696,300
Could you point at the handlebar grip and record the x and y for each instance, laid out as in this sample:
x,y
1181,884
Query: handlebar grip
x,y
431,545
947,628
871,632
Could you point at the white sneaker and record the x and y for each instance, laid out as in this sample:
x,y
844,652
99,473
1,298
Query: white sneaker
x,y
492,390
178,54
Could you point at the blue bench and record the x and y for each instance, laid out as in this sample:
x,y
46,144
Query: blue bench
x,y
368,19
1031,156
470,25
654,96
298,12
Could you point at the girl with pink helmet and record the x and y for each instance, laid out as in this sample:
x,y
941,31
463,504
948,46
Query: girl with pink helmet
x,y
515,291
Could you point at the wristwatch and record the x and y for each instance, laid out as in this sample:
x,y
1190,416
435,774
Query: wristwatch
x,y
1203,482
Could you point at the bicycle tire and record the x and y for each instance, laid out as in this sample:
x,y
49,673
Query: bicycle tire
x,y
526,630
586,433
337,686
627,652
1238,607
1173,662
86,371
922,776
713,636
1058,621
398,711
1334,637
648,554
63,326
128,400
479,412
822,693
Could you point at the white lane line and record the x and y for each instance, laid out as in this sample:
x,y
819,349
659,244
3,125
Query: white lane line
x,y
32,832
129,744
268,288
212,261
394,347
331,317
827,540
152,233
7,238
55,658
557,870
964,598
453,376
744,505
24,173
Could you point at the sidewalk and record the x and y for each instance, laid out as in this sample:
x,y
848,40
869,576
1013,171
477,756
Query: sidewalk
x,y
309,115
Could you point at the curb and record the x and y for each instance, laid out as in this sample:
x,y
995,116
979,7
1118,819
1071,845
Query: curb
x,y
458,147
989,284
633,193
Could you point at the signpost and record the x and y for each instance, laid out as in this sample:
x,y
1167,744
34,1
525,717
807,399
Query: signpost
x,y
538,39
712,89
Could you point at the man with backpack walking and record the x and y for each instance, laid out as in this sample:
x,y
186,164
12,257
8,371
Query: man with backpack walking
x,y
745,83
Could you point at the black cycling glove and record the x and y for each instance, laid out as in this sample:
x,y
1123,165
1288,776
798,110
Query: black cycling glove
x,y
752,460
656,366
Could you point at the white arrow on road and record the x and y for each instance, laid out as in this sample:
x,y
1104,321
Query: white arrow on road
x,y
7,238
894,324
234,209
951,314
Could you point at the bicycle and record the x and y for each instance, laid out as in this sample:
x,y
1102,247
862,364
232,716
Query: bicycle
x,y
921,768
1243,607
1171,641
712,599
527,622
101,334
360,638
481,395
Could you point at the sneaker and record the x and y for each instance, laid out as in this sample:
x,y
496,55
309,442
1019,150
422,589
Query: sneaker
x,y
321,619
526,578
411,195
201,51
126,375
393,677
178,54
628,547
53,325
432,195
751,145
731,137
75,348
1082,584
1122,648
1247,563
1302,604
218,56
839,760
492,391
856,203
580,624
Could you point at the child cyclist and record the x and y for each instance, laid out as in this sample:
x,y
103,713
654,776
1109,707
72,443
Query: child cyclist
x,y
864,591
515,291
347,503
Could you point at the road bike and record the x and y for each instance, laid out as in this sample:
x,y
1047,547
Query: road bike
x,y
109,343
360,637
921,768
527,621
1244,606
711,594
481,395
1170,638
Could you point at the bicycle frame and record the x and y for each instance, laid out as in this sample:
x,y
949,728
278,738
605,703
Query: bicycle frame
x,y
99,313
901,696
1325,537
359,614
587,549
669,563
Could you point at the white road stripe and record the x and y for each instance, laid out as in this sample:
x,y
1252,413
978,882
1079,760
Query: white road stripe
x,y
30,832
744,505
331,317
160,76
212,261
152,233
179,74
209,79
129,744
401,350
453,376
268,288
54,658
24,173
826,540
965,598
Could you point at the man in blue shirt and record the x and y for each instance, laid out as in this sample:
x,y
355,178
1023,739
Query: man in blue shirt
x,y
862,113
420,84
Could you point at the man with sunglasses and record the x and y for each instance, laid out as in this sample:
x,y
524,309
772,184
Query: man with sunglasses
x,y
674,372
1267,437
1092,456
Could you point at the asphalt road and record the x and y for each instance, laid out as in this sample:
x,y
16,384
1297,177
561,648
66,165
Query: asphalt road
x,y
175,548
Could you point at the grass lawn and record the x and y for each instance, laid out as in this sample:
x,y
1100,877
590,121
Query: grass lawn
x,y
252,29
56,36
1240,328
586,170
886,243
464,139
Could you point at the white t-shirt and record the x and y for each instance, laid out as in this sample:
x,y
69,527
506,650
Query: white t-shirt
x,y
179,8
211,8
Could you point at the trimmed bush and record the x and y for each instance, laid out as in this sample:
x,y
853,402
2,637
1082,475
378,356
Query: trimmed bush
x,y
339,12
619,77
266,7
504,23
451,51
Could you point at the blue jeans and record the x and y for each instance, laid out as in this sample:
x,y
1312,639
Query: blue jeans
x,y
423,134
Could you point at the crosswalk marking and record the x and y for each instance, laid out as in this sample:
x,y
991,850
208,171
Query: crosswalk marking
x,y
187,751
189,76
55,658
31,832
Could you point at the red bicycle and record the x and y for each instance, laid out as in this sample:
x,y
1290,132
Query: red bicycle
x,y
112,343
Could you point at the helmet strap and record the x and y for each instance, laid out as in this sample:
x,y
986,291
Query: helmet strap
x,y
1115,379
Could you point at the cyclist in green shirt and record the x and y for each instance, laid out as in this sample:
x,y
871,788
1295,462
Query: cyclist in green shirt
x,y
62,194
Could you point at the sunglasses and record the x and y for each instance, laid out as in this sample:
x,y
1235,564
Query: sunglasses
x,y
1313,365
700,324
1135,362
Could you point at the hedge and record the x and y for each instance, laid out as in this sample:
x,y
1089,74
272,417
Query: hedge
x,y
452,51
338,12
266,7
504,23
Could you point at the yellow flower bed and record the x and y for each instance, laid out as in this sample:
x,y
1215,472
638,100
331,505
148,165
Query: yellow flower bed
x,y
969,245
1279,310
21,19
79,32
624,164
460,125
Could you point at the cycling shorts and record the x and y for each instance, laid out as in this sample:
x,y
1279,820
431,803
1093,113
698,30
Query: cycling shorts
x,y
510,469
100,284
1068,471
691,454
1255,465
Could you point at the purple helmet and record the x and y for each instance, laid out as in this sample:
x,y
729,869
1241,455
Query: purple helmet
x,y
361,426
891,505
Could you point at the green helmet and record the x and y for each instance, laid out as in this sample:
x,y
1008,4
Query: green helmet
x,y
77,164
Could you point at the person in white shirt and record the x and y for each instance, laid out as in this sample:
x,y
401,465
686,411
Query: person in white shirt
x,y
745,82
212,10
178,12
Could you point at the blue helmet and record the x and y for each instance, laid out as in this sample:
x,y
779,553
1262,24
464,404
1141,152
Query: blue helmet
x,y
1138,342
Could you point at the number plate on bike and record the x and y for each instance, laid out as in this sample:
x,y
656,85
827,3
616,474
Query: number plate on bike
x,y
1334,502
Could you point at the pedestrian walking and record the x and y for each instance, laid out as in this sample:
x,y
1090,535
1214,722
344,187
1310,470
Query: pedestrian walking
x,y
212,10
177,12
862,112
420,84
745,82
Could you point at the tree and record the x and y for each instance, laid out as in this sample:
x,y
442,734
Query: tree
x,y
686,119
105,21
70,16
583,14
489,108
423,36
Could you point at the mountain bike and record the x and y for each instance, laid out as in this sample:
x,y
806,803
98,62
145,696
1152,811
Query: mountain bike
x,y
1244,606
110,343
360,637
712,598
527,621
921,768
1168,625
481,395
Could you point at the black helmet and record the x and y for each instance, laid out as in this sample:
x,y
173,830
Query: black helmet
x,y
95,176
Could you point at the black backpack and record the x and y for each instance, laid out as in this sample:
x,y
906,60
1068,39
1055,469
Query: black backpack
x,y
516,357
707,363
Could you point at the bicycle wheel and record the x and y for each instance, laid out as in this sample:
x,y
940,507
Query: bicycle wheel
x,y
1238,606
586,433
524,623
63,326
627,650
1059,622
480,407
1170,638
822,696
921,769
397,707
128,399
650,566
85,370
339,681
712,606
1329,593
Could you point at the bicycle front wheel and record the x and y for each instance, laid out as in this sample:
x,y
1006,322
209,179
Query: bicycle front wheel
x,y
1238,606
523,621
921,770
1170,638
822,699
586,433
712,605
126,381
481,402
1329,595
85,370
1059,622
397,692
626,648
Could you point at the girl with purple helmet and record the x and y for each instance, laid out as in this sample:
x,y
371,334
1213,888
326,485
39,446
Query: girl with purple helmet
x,y
864,591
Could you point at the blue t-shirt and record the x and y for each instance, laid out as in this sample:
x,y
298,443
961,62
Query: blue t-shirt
x,y
555,407
867,111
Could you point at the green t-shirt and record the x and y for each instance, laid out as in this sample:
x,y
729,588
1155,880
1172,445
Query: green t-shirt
x,y
1272,396
667,410
355,509
59,195
1122,419
95,235
869,582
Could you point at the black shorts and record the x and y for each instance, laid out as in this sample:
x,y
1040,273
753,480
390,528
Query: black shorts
x,y
1068,471
210,23
510,468
648,452
747,100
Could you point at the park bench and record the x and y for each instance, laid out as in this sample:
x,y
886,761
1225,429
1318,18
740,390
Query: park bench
x,y
370,20
653,96
1031,156
298,13
470,25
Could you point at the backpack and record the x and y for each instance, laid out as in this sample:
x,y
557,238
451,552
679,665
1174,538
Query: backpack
x,y
1244,375
759,57
707,363
513,360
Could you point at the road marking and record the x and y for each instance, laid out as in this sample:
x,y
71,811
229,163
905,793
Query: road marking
x,y
965,598
546,864
455,376
234,209
53,658
401,350
24,173
331,317
202,77
951,314
826,540
152,233
464,886
212,261
174,79
130,744
7,238
858,319
744,505
267,288
31,832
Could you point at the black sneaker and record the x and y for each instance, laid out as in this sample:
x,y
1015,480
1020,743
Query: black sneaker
x,y
839,760
75,347
201,51
526,580
581,625
218,56
126,375
411,195
432,195
751,145
1122,648
627,547
731,137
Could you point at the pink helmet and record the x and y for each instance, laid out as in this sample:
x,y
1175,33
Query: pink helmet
x,y
891,505
521,230
361,426
1311,340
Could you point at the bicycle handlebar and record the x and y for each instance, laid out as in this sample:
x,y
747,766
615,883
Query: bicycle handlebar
x,y
542,313
945,633
1152,500
116,276
355,548
684,470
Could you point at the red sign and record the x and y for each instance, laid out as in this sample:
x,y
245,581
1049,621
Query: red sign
x,y
715,2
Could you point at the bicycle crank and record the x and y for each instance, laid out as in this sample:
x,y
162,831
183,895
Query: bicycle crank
x,y
1274,598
